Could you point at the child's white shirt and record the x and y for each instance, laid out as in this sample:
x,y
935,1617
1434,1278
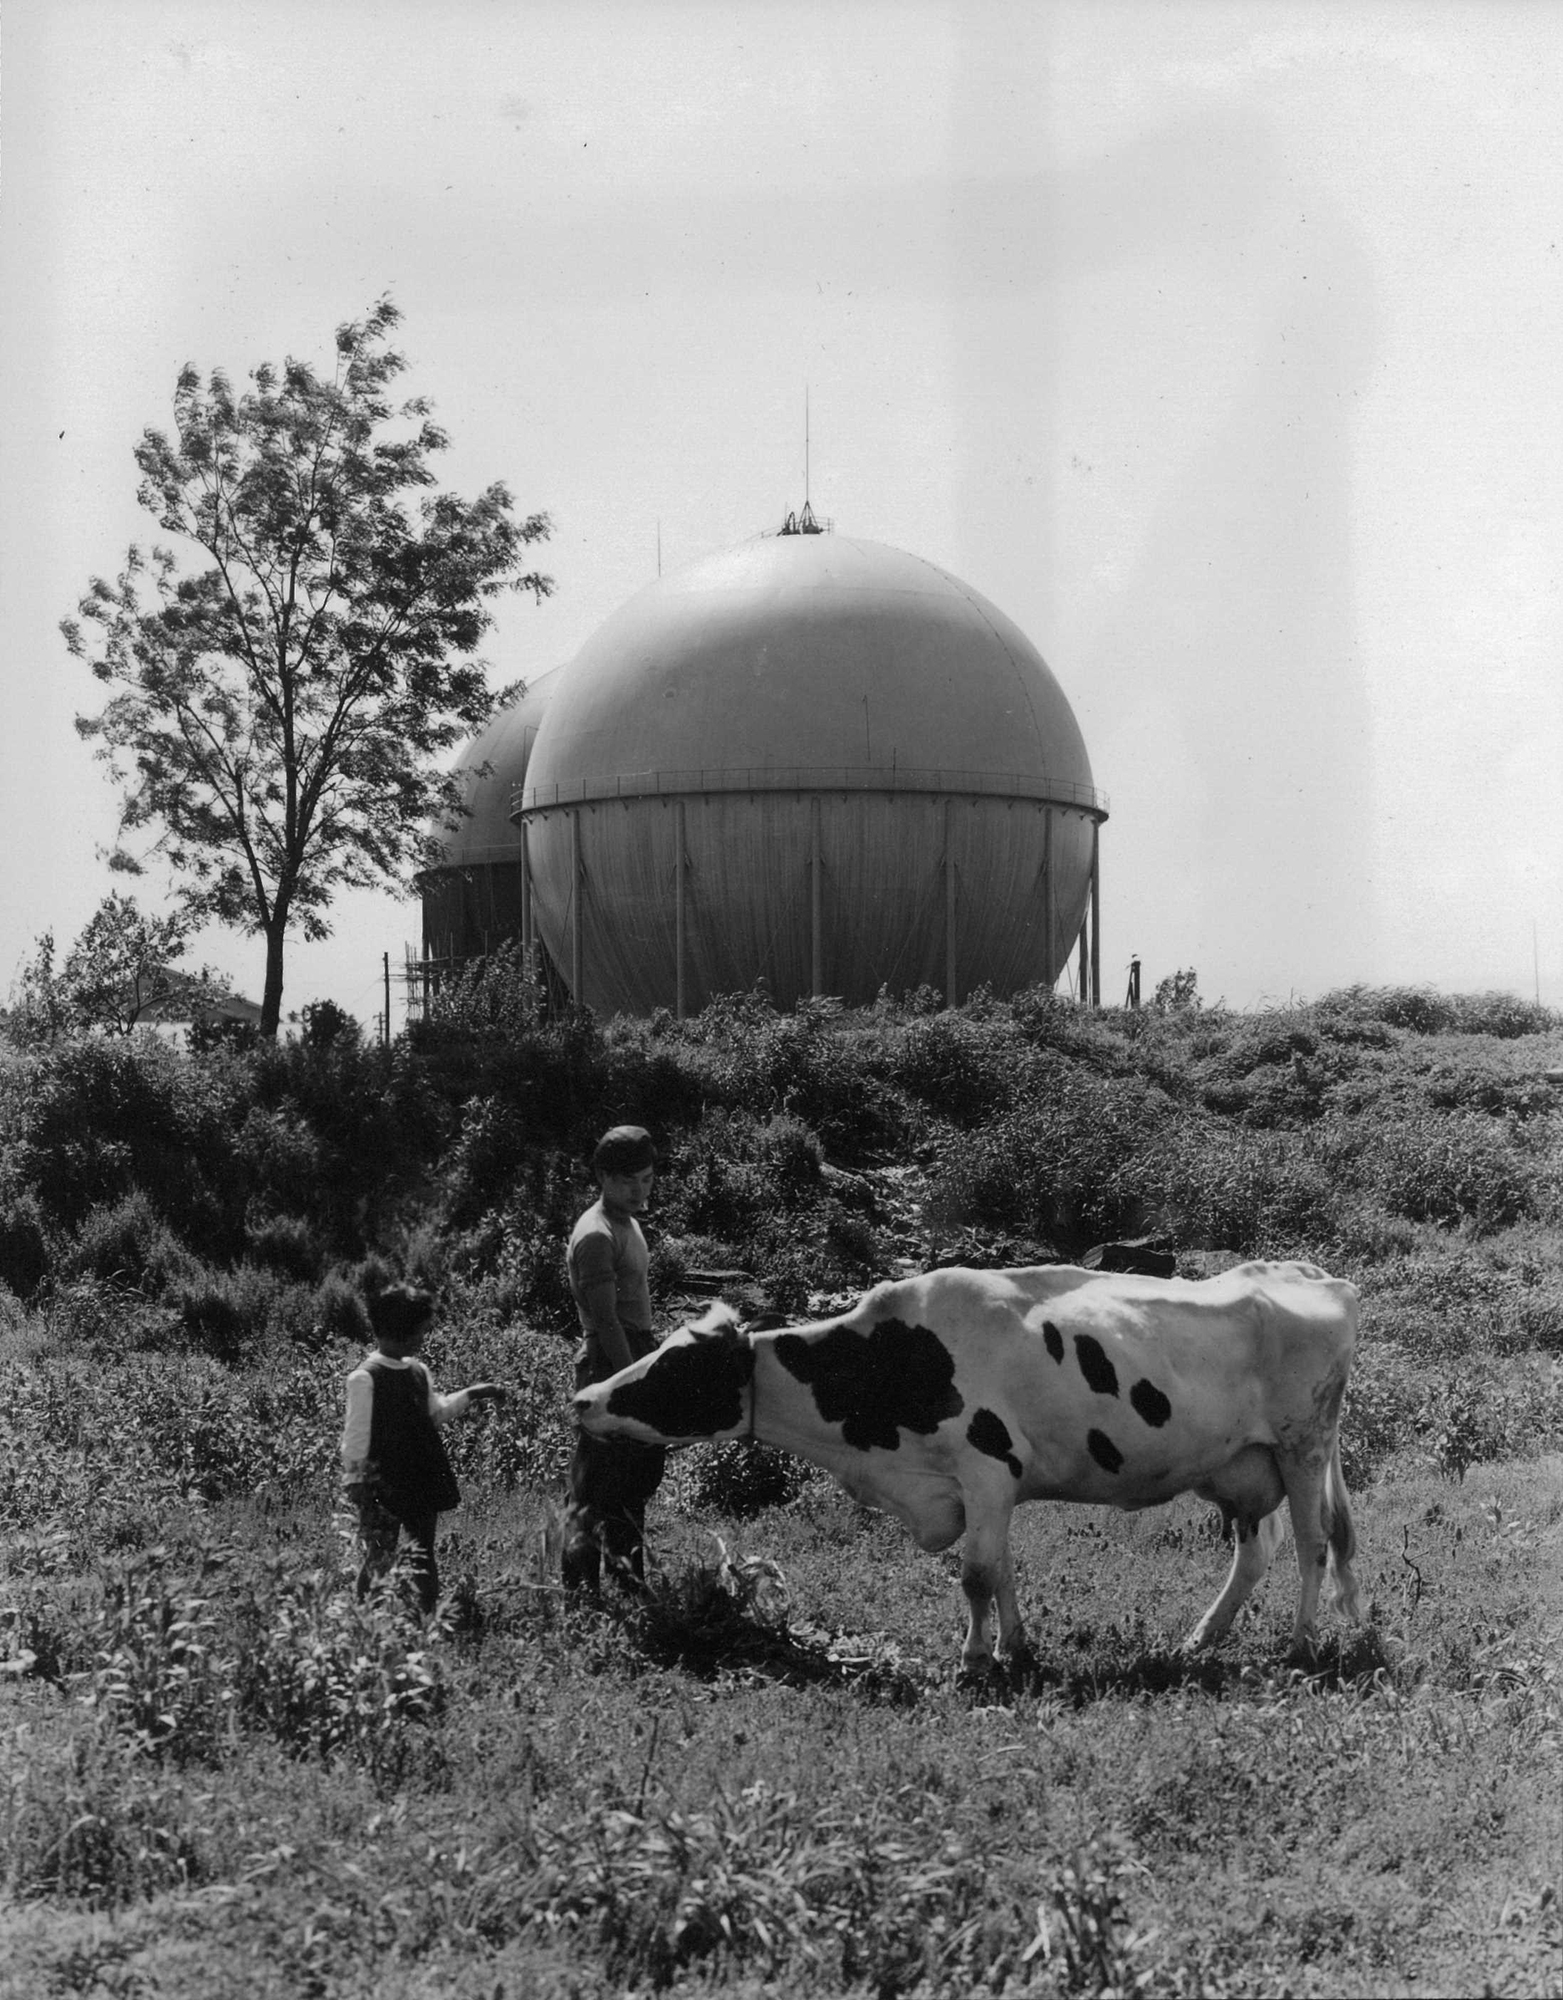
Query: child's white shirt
x,y
360,1406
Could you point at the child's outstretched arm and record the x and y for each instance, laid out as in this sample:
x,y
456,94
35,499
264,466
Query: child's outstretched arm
x,y
443,1408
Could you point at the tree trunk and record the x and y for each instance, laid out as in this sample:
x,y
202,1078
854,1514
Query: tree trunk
x,y
271,998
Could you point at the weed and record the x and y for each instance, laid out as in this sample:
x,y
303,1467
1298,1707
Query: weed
x,y
83,1821
326,1674
1089,1931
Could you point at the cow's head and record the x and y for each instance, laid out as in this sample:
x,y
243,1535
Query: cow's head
x,y
694,1386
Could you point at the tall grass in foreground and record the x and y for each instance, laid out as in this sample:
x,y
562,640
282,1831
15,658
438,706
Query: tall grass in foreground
x,y
762,1777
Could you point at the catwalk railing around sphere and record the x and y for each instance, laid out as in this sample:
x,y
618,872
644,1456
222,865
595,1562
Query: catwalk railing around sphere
x,y
696,781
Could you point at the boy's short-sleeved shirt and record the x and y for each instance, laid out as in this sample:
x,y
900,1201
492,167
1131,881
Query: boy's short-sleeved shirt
x,y
604,1248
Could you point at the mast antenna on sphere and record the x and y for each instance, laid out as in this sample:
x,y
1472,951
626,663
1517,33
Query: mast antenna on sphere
x,y
804,522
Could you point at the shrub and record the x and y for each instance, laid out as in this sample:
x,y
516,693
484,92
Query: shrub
x,y
805,1062
285,1243
790,1154
340,1310
324,1025
481,1168
327,1675
1459,1170
735,1170
126,1243
1178,993
1477,1080
1077,1162
1384,1402
1502,1015
110,1118
24,1243
212,1317
1422,1011
957,1068
284,1161
158,1674
1250,1193
87,1823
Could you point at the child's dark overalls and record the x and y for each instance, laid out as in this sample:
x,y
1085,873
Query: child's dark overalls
x,y
409,1476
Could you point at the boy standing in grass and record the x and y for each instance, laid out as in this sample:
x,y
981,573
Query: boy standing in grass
x,y
611,1479
393,1460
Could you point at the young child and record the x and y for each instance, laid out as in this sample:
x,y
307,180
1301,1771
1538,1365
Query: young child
x,y
393,1461
611,1479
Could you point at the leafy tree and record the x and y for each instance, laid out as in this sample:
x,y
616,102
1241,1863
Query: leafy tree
x,y
121,970
39,1011
124,966
325,1025
282,698
1178,993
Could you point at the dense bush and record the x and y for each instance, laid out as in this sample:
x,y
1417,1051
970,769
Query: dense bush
x,y
225,1197
24,1242
1460,1170
1079,1160
107,1119
1422,1011
126,1243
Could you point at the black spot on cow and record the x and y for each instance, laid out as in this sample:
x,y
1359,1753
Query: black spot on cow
x,y
1103,1450
876,1384
1098,1371
690,1391
1054,1339
1150,1403
989,1433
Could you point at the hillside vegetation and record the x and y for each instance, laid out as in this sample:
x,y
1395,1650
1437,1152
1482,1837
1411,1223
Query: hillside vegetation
x,y
226,1776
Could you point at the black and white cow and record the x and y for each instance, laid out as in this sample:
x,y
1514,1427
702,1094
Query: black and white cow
x,y
949,1398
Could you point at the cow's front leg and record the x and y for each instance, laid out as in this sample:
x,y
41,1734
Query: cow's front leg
x,y
988,1574
1254,1547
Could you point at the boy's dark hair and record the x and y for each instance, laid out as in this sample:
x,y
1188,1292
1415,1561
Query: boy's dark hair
x,y
400,1313
624,1150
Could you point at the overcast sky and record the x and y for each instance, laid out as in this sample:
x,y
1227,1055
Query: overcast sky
x,y
1220,345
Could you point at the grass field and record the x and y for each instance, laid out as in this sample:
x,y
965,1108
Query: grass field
x,y
223,1776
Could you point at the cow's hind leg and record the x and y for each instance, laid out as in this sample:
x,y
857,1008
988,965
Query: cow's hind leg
x,y
1343,1538
1312,1520
1254,1547
1326,1538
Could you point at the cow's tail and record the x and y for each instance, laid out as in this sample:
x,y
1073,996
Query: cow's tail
x,y
1342,1535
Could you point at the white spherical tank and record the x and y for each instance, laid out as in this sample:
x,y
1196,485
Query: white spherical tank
x,y
814,761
